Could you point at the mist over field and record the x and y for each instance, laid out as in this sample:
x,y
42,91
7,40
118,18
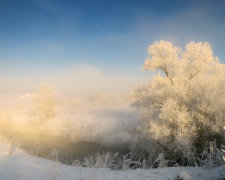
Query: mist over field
x,y
88,106
76,124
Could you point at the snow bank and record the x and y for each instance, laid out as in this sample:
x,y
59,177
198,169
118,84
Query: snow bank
x,y
22,166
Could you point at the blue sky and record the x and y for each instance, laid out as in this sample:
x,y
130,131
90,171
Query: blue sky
x,y
40,36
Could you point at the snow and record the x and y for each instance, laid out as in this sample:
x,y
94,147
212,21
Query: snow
x,y
22,166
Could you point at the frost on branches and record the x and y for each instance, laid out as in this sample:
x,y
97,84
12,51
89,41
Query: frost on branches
x,y
45,103
182,108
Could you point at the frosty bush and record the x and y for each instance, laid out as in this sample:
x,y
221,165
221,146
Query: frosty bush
x,y
104,160
212,157
182,108
110,160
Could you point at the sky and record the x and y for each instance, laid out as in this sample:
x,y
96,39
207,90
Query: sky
x,y
44,38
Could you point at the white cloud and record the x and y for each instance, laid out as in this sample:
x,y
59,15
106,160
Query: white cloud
x,y
84,80
79,80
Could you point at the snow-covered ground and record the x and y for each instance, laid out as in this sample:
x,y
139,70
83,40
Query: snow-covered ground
x,y
22,166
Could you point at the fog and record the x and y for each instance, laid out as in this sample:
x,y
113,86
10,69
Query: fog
x,y
89,106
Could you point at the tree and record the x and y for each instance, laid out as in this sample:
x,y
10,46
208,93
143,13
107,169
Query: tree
x,y
182,108
45,103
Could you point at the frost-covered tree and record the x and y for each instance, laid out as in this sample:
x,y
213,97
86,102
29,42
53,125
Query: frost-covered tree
x,y
183,107
45,102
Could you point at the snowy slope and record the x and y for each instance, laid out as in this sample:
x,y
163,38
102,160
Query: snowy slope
x,y
22,166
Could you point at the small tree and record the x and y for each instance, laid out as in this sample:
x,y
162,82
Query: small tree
x,y
45,102
183,107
